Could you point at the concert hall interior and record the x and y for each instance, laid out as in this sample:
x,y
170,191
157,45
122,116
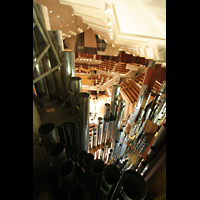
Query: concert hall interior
x,y
99,99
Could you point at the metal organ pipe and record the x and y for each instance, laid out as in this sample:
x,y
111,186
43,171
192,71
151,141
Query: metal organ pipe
x,y
67,70
99,128
66,174
117,124
114,99
48,134
132,186
57,152
97,167
83,102
43,10
110,178
75,88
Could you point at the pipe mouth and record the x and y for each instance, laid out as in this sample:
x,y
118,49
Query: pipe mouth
x,y
83,95
75,78
111,174
97,166
88,158
65,168
46,128
134,185
81,154
76,192
57,149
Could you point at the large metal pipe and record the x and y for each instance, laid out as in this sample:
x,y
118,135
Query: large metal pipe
x,y
94,134
66,174
69,134
48,134
56,37
42,44
117,123
43,10
83,104
75,88
133,186
97,167
106,110
114,99
57,153
37,71
67,71
104,130
110,178
99,128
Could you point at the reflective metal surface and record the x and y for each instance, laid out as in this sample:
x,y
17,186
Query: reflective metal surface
x,y
133,186
37,71
66,174
57,152
97,167
110,178
48,134
56,40
117,123
75,88
67,71
44,15
114,98
83,104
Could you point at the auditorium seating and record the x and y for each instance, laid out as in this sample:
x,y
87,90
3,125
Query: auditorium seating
x,y
121,68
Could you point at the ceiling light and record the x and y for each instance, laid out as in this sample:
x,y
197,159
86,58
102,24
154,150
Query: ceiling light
x,y
67,25
107,8
61,25
72,14
72,21
58,15
50,11
110,29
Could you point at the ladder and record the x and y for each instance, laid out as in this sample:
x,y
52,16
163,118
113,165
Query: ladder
x,y
45,35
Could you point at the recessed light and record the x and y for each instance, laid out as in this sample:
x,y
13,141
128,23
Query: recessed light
x,y
72,21
67,25
61,25
58,15
72,14
50,11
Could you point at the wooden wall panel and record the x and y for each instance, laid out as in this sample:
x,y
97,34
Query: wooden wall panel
x,y
90,39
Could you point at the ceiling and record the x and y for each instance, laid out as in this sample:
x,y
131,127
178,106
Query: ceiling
x,y
136,26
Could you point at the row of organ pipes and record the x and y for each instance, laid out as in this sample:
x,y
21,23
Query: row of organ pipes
x,y
111,172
